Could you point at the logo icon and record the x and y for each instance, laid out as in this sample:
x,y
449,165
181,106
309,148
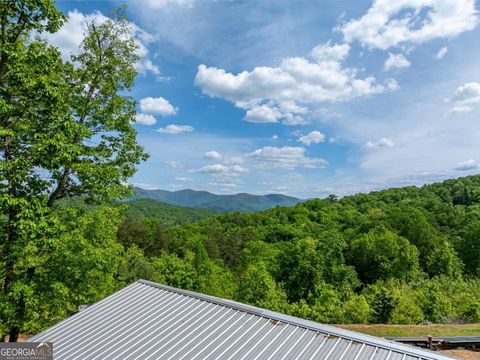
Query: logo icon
x,y
26,351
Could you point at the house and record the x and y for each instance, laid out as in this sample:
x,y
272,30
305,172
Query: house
x,y
146,320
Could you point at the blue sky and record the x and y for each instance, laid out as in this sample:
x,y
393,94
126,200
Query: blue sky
x,y
305,98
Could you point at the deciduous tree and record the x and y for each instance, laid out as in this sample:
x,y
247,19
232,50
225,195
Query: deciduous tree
x,y
65,130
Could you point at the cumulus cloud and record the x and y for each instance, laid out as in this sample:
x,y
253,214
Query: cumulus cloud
x,y
396,61
157,106
391,23
146,65
238,169
174,164
212,155
466,97
227,176
286,157
69,37
292,119
262,114
378,144
175,129
441,53
235,160
313,137
287,92
280,189
164,4
233,170
459,109
468,93
144,119
226,172
327,52
183,179
466,165
145,186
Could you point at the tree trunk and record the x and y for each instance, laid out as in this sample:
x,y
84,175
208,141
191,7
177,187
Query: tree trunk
x,y
13,334
10,243
9,265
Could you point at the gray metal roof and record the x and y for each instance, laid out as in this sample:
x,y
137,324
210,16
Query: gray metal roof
x,y
146,320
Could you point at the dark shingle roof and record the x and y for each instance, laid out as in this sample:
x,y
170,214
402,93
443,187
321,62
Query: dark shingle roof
x,y
146,320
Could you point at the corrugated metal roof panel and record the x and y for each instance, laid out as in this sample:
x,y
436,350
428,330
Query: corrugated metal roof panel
x,y
151,321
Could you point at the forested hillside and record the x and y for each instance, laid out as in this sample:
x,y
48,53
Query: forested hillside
x,y
166,214
406,255
223,203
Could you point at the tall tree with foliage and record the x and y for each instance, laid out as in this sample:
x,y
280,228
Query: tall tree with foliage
x,y
65,130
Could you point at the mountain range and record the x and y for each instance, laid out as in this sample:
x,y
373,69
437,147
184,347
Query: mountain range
x,y
207,200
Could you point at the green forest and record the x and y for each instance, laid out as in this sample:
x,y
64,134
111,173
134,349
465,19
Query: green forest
x,y
68,149
402,256
399,256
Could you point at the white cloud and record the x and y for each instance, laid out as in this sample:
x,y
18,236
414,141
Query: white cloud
x,y
236,160
174,164
69,37
238,169
291,119
262,114
175,129
145,119
441,53
327,52
145,186
274,137
390,23
226,174
466,165
183,179
468,93
227,186
157,106
280,189
163,4
286,157
212,155
223,169
146,65
313,137
287,92
458,109
396,61
378,144
466,97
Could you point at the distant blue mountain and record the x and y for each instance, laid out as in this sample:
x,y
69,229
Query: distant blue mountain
x,y
207,200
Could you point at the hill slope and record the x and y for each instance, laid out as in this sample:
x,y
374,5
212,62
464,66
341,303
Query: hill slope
x,y
207,200
404,255
167,214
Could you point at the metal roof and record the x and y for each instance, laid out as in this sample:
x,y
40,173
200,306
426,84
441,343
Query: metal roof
x,y
146,320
